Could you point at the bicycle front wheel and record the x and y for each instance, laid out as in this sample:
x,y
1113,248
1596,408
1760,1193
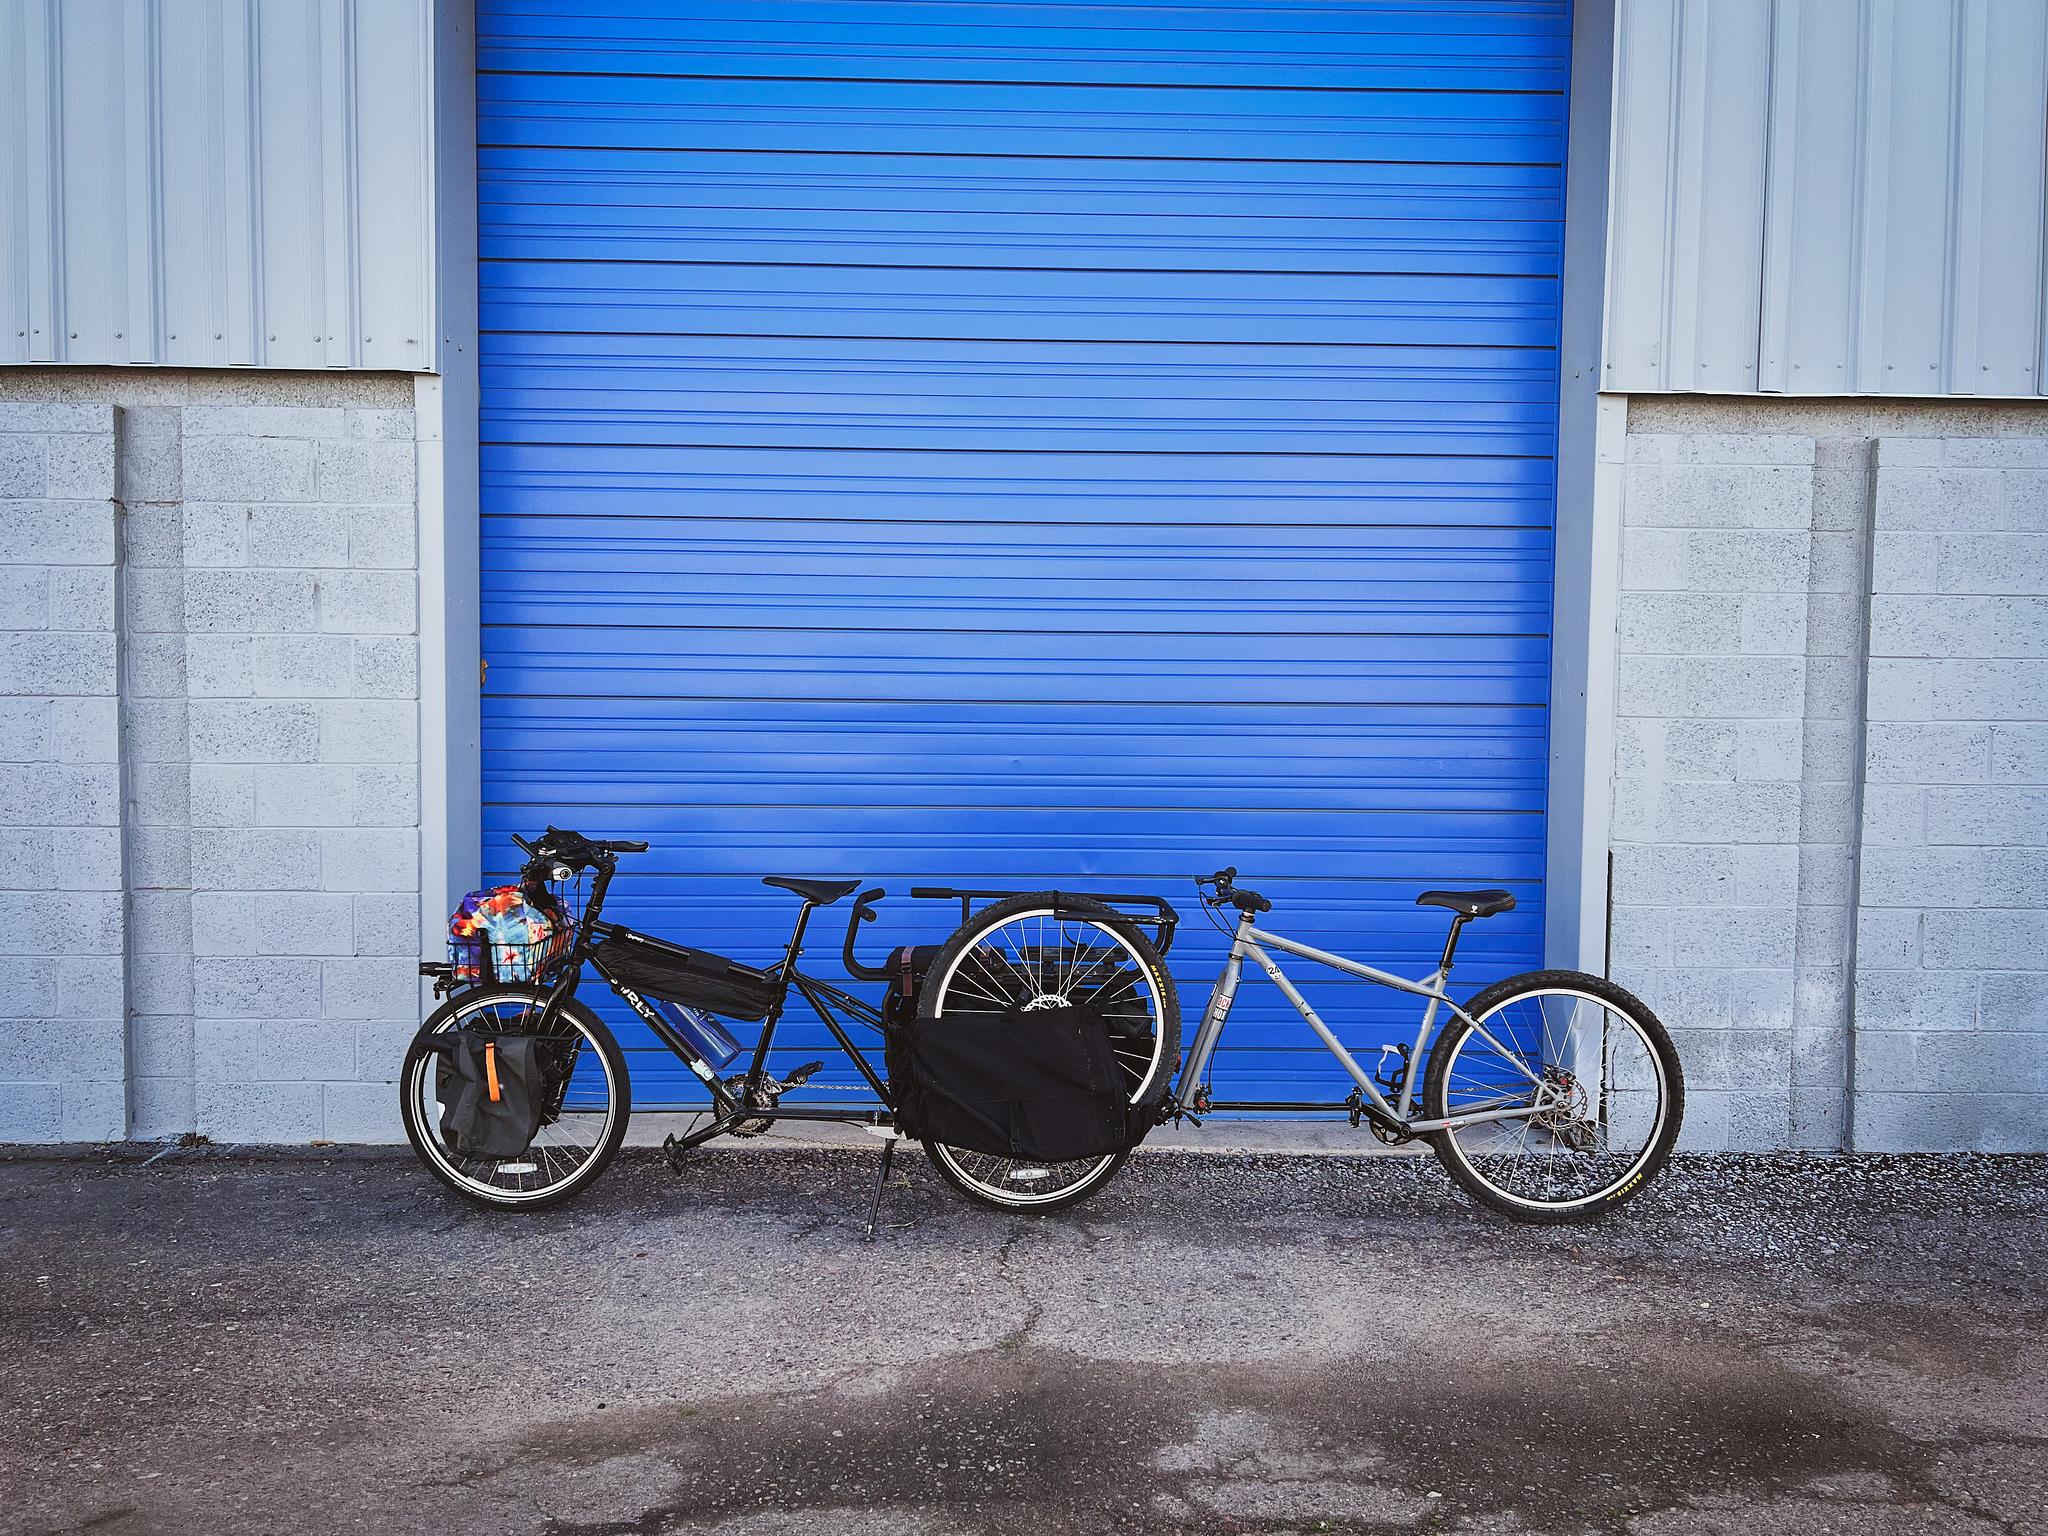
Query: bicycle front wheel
x,y
1575,1092
1041,951
584,1120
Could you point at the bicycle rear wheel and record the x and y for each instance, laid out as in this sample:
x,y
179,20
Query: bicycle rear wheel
x,y
1042,951
1586,1086
583,1125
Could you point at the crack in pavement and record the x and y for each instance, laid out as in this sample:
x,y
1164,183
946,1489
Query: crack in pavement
x,y
1759,1345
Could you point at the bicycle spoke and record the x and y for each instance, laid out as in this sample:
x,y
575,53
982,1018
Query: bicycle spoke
x,y
1041,959
562,1147
1591,1119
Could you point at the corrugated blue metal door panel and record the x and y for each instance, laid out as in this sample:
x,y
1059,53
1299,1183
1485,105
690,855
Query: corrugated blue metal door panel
x,y
1030,444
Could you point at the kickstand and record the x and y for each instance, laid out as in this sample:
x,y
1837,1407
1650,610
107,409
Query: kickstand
x,y
881,1183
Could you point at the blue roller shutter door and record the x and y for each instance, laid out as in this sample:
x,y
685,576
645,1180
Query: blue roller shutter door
x,y
1027,444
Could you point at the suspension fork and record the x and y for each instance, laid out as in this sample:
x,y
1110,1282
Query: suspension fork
x,y
1221,996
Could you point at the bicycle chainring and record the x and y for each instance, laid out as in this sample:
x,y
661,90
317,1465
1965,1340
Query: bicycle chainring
x,y
770,1095
766,1099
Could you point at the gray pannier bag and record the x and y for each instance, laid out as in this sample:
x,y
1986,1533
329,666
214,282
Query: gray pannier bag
x,y
492,1091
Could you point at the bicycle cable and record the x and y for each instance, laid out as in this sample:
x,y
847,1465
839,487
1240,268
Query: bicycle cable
x,y
1209,914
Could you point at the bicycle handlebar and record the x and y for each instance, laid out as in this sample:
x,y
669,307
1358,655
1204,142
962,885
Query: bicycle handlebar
x,y
863,912
574,848
1228,894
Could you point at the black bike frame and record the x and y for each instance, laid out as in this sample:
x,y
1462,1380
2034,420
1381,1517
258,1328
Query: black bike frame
x,y
750,1102
754,1097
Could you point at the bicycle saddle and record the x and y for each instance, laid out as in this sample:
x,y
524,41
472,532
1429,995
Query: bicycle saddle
x,y
819,893
1470,903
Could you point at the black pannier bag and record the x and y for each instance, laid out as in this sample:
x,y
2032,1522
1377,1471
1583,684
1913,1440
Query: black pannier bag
x,y
695,978
1038,1083
907,966
493,1093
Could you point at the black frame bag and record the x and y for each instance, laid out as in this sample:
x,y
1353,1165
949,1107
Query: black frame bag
x,y
695,978
493,1093
1042,1084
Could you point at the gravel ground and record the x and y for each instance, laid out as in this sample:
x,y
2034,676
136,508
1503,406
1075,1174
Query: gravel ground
x,y
328,1342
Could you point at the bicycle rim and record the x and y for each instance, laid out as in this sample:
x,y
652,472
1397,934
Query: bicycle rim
x,y
1592,1126
564,1151
1043,958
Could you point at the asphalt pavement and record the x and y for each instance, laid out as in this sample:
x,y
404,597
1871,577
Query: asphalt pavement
x,y
319,1342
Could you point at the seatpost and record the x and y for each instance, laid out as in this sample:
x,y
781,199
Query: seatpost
x,y
796,939
1451,941
796,947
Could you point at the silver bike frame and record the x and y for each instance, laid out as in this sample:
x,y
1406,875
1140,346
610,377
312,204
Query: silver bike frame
x,y
1244,946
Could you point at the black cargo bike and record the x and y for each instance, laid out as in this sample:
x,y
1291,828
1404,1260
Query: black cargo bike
x,y
1028,1052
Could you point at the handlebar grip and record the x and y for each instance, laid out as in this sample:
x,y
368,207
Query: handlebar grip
x,y
628,845
524,845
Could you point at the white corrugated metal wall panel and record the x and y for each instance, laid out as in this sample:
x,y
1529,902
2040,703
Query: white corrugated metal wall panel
x,y
216,183
1829,198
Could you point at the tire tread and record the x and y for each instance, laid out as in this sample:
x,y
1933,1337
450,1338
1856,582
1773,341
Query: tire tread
x,y
1619,998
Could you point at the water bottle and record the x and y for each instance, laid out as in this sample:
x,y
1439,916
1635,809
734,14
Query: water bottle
x,y
707,1037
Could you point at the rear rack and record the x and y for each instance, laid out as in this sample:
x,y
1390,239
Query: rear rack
x,y
1162,919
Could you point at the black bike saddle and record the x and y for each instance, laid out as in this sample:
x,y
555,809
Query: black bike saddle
x,y
1469,903
819,893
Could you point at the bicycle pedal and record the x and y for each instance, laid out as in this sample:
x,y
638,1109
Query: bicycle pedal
x,y
803,1074
675,1153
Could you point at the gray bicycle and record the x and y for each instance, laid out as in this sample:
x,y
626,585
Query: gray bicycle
x,y
1552,1096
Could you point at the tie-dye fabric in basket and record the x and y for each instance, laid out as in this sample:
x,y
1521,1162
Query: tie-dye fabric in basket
x,y
504,935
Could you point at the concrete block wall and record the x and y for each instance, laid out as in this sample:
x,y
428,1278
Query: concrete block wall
x,y
270,737
1718,559
1787,828
63,1076
1952,911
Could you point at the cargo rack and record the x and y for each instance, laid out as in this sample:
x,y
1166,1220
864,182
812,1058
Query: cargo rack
x,y
1162,918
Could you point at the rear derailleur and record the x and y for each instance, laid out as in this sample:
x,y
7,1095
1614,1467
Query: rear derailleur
x,y
1565,1111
